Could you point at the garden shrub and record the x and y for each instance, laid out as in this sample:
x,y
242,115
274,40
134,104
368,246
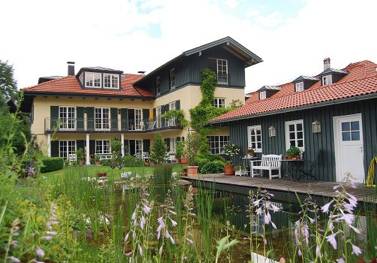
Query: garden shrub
x,y
52,164
132,161
158,152
212,167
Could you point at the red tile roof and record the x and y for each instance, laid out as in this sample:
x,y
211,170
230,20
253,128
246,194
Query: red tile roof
x,y
70,85
360,80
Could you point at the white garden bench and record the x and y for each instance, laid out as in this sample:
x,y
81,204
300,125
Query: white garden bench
x,y
270,162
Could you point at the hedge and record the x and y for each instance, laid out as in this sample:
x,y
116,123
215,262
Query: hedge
x,y
52,164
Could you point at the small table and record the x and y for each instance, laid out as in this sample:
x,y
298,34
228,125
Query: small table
x,y
298,163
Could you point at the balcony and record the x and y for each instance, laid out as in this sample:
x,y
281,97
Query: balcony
x,y
92,125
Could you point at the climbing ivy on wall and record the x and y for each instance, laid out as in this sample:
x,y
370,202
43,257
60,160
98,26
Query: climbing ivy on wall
x,y
201,114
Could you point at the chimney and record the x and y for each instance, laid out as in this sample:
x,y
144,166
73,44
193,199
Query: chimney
x,y
326,63
71,68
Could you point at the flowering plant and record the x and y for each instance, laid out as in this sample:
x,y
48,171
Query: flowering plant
x,y
231,150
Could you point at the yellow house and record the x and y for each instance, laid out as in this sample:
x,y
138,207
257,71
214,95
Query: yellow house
x,y
89,108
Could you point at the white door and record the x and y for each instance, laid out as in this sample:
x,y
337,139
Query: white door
x,y
349,148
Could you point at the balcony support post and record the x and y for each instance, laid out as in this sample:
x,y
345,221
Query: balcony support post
x,y
49,145
122,143
87,159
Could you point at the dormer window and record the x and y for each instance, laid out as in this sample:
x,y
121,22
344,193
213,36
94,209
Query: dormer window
x,y
93,80
326,80
299,86
222,71
172,78
262,95
110,81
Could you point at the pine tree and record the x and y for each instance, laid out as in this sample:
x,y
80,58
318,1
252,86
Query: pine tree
x,y
8,87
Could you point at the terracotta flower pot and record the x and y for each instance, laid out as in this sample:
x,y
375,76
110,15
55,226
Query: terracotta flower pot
x,y
192,170
183,160
229,169
101,174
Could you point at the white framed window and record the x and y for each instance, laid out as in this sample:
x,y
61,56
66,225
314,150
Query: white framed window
x,y
254,138
217,143
262,95
138,119
172,121
138,147
67,118
299,86
102,118
110,81
294,134
172,78
158,85
93,80
219,102
103,147
67,148
326,80
158,116
222,71
173,144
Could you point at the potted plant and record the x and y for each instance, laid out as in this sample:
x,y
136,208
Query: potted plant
x,y
250,153
230,151
192,149
97,159
80,156
179,153
293,153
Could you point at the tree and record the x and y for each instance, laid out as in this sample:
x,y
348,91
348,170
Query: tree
x,y
158,152
8,85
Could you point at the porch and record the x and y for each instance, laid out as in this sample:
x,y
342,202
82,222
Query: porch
x,y
283,189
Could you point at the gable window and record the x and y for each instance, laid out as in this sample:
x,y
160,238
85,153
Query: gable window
x,y
103,147
299,86
222,71
67,118
219,102
158,85
254,138
67,149
93,80
172,79
217,143
111,81
326,80
294,134
262,95
102,118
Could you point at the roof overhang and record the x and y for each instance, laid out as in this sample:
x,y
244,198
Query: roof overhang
x,y
44,93
304,107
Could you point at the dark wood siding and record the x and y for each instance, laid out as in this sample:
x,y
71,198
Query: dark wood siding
x,y
188,70
319,147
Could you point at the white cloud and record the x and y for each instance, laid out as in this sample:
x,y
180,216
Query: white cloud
x,y
42,35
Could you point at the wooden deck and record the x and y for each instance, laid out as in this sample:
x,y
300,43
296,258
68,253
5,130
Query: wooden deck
x,y
283,187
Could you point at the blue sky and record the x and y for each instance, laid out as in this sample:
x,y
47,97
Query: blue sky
x,y
292,36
